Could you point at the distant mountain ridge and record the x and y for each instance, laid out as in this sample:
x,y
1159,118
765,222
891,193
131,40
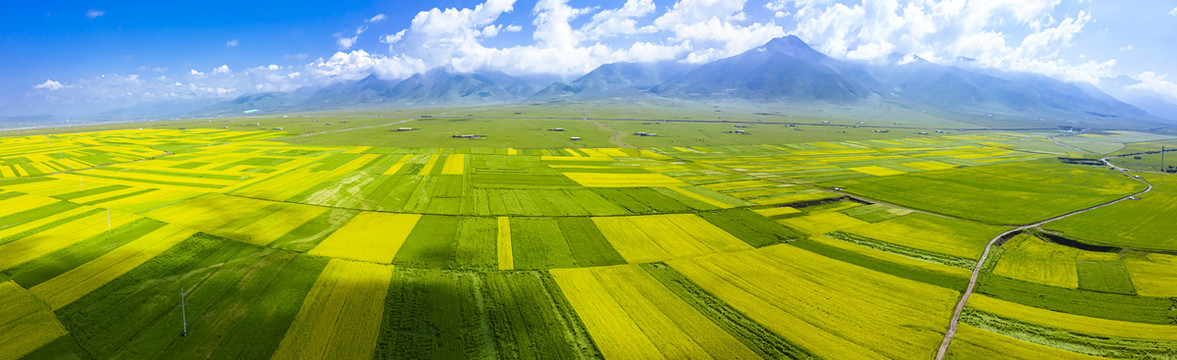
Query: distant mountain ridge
x,y
784,71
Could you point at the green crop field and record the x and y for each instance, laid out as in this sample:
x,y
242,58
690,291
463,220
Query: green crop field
x,y
339,237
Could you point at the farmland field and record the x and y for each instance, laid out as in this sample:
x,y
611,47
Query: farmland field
x,y
696,243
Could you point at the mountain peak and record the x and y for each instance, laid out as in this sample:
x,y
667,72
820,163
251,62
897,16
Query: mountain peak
x,y
793,46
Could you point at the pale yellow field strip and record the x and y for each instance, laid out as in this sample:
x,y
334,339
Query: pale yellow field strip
x,y
614,152
43,221
7,172
732,185
129,176
506,258
72,285
929,165
340,318
429,164
369,236
208,212
615,333
399,164
1156,276
25,322
696,196
511,151
678,329
821,223
1075,323
357,150
88,198
641,239
455,164
974,343
273,226
623,180
573,153
574,158
777,211
40,244
25,202
877,170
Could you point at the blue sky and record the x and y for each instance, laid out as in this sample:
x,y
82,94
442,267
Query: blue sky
x,y
74,57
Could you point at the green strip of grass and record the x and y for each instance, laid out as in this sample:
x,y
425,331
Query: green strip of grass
x,y
1080,302
1095,345
921,275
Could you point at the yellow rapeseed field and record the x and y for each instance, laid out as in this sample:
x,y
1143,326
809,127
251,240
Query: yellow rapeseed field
x,y
45,242
398,165
821,223
623,180
1156,276
641,239
72,285
25,322
700,197
629,314
455,164
877,170
340,318
275,224
777,211
928,165
369,236
1075,323
834,309
974,343
506,260
429,165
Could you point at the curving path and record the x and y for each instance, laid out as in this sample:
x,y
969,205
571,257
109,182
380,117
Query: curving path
x,y
964,298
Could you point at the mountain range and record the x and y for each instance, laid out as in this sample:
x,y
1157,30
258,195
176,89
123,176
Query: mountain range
x,y
783,72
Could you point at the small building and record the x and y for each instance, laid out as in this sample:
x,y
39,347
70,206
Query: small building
x,y
923,133
224,127
330,124
426,116
574,138
643,133
183,128
882,131
404,129
468,136
277,128
825,122
556,129
254,124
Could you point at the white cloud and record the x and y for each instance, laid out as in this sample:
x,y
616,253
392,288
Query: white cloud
x,y
513,28
48,85
612,22
232,43
193,72
1173,12
345,42
223,69
1013,35
298,56
1156,83
392,39
377,18
1126,48
94,14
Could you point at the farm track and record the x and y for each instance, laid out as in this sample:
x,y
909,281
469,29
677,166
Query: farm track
x,y
948,335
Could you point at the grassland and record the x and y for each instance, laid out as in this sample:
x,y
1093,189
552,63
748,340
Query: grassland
x,y
695,243
1138,224
1018,193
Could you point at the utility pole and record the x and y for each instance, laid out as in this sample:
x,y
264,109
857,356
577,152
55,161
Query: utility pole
x,y
183,313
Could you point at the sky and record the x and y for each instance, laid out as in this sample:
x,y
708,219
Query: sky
x,y
82,57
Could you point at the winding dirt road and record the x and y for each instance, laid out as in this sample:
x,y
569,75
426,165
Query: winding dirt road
x,y
964,298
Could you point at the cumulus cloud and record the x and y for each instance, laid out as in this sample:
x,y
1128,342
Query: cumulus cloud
x,y
377,18
223,69
232,43
1013,35
1173,12
48,85
94,14
1156,83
